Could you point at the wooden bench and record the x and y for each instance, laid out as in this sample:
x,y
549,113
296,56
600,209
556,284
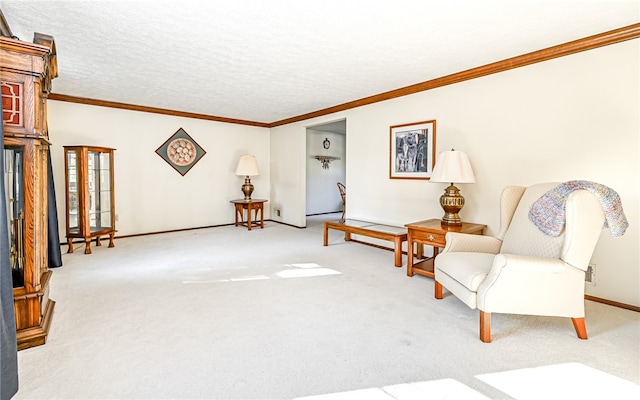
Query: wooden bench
x,y
395,234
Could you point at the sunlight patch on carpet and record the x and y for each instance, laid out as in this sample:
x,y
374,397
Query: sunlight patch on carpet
x,y
306,265
250,278
561,381
302,273
363,394
438,389
299,270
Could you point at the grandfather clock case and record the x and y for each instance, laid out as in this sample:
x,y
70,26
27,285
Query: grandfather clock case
x,y
26,71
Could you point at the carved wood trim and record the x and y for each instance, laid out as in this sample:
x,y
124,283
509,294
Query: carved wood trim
x,y
5,30
15,45
51,62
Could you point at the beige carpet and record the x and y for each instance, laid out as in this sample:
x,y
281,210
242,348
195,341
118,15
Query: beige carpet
x,y
224,313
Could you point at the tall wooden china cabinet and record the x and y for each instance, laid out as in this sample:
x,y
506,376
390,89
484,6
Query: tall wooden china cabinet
x,y
89,194
26,71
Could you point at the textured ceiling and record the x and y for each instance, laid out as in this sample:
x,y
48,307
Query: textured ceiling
x,y
269,60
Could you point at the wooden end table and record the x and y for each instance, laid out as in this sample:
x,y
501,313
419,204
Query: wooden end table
x,y
251,204
432,233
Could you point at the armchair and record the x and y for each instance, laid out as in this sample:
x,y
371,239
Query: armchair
x,y
523,270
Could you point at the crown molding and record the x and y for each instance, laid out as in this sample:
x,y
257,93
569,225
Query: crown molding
x,y
576,46
155,110
591,42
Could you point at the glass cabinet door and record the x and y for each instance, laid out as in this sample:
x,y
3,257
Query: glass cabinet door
x,y
99,190
13,183
73,224
104,177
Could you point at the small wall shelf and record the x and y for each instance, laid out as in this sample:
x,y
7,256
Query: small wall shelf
x,y
326,160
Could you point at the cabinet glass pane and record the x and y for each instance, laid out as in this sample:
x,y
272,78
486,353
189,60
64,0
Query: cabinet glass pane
x,y
72,179
94,189
105,161
99,190
73,224
105,219
100,221
92,163
92,221
72,169
105,179
105,201
14,196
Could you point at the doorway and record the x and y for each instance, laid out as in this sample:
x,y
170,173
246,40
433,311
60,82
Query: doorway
x,y
325,167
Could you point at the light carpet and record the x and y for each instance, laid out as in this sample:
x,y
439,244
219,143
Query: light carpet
x,y
227,313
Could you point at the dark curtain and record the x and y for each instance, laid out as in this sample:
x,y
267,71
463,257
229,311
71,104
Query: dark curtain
x,y
8,343
55,255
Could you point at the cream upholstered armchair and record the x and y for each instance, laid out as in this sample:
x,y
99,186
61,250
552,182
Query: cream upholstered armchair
x,y
524,270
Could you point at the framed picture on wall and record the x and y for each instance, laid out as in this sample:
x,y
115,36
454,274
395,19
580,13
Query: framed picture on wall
x,y
412,152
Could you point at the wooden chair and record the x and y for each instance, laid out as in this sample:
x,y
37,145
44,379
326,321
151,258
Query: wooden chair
x,y
343,195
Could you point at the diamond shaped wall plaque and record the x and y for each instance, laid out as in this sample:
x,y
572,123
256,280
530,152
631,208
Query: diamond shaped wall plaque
x,y
181,151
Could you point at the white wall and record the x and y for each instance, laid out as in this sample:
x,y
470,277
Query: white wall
x,y
322,192
288,163
576,117
151,196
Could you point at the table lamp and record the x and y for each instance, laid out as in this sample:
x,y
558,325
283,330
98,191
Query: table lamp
x,y
247,166
452,166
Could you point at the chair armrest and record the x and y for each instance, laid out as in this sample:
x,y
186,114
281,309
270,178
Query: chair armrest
x,y
515,262
466,242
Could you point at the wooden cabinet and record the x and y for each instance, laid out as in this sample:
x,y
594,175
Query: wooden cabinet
x,y
89,194
26,71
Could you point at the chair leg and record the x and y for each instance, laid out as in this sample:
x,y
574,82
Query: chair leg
x,y
581,328
485,326
438,290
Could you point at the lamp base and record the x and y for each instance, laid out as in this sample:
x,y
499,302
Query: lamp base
x,y
451,202
247,188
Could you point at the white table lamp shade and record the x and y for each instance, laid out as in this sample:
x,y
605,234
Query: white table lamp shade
x,y
247,166
453,167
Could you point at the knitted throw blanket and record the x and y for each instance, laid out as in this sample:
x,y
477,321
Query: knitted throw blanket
x,y
548,212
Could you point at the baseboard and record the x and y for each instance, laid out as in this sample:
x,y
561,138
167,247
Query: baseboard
x,y
612,303
284,223
324,213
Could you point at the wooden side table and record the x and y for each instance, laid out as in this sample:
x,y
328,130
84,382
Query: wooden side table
x,y
432,233
252,204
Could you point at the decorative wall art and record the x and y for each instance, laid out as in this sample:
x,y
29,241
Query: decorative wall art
x,y
181,151
412,151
